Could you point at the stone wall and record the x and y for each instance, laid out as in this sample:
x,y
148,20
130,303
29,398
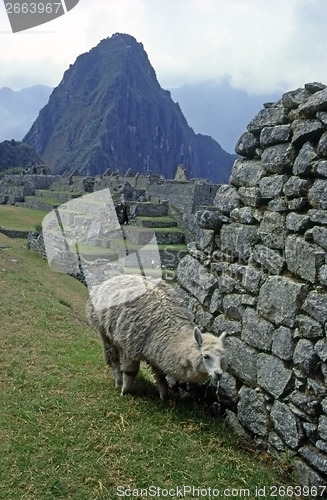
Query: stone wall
x,y
35,242
185,195
13,233
258,270
60,257
14,188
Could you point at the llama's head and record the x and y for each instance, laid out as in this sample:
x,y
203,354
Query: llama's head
x,y
214,357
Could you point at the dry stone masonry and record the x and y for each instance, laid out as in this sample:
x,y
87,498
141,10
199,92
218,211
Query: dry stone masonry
x,y
33,191
258,270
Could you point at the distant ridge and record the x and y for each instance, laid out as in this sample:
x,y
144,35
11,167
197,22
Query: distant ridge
x,y
219,110
109,111
19,109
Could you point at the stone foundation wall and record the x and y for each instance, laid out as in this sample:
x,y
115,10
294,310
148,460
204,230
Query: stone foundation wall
x,y
36,243
186,196
12,233
14,188
258,271
60,258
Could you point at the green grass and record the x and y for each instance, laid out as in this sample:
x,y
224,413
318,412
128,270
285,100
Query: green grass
x,y
86,250
173,229
49,200
172,246
161,218
65,431
20,218
62,191
120,245
12,243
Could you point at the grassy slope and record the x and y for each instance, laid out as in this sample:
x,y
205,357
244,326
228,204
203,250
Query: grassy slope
x,y
12,217
66,433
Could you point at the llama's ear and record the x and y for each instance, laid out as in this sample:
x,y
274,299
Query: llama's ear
x,y
222,337
198,336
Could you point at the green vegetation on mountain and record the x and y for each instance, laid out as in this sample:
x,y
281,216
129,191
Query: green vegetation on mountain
x,y
15,155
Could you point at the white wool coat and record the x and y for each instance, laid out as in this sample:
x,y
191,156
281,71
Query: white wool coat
x,y
148,323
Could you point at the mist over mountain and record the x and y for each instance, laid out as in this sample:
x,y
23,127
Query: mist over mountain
x,y
19,109
109,111
218,110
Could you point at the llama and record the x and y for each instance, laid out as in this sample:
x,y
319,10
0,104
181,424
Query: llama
x,y
139,320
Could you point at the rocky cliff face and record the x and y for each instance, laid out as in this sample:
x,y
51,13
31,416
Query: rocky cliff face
x,y
258,271
109,111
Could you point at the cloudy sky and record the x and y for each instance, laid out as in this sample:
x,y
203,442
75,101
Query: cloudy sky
x,y
260,45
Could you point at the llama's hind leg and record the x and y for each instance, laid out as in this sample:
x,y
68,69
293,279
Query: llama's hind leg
x,y
130,369
161,383
112,358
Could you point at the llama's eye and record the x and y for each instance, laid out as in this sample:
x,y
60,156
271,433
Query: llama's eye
x,y
206,356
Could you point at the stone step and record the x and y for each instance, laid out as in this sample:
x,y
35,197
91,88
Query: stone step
x,y
148,209
169,258
178,216
59,196
35,203
154,223
142,236
169,238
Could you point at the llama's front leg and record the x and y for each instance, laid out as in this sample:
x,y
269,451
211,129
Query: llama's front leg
x,y
130,369
118,377
112,358
161,384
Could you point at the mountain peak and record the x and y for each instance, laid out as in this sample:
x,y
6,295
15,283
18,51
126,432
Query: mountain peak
x,y
119,42
124,38
109,111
